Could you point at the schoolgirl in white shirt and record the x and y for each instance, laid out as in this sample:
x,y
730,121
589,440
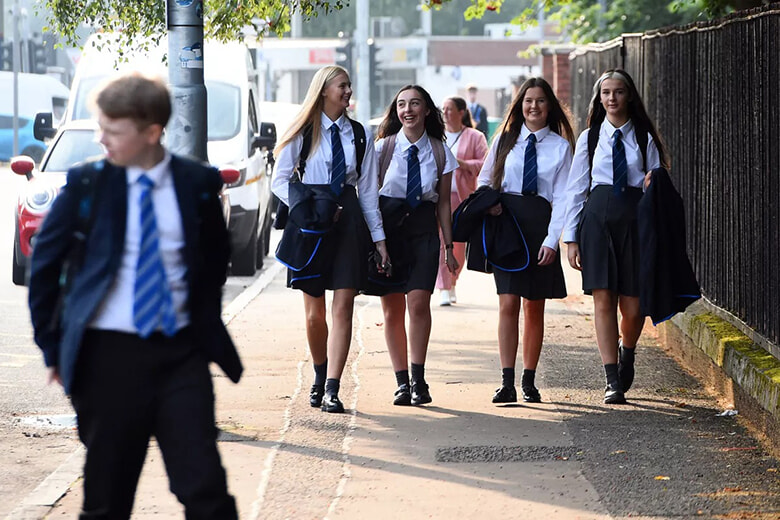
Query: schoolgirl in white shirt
x,y
324,114
529,163
415,125
601,218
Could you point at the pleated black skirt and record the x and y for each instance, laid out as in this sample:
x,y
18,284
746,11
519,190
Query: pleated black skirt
x,y
609,241
421,251
344,249
535,282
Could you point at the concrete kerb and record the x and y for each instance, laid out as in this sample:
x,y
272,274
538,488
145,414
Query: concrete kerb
x,y
737,368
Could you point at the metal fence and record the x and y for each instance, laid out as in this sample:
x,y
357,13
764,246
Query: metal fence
x,y
713,90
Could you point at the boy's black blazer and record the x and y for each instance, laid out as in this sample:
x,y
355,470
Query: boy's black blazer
x,y
206,255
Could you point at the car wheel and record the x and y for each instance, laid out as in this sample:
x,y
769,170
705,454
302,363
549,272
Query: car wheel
x,y
19,269
260,250
267,234
244,261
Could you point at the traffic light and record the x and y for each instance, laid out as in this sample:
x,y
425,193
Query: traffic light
x,y
374,75
344,56
6,55
38,58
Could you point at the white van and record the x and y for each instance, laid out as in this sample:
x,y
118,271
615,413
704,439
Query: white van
x,y
235,135
37,93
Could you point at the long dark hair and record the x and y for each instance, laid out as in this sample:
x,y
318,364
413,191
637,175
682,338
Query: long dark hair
x,y
434,124
462,106
557,120
636,111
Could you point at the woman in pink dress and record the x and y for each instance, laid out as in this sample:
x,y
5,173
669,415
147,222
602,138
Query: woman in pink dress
x,y
469,146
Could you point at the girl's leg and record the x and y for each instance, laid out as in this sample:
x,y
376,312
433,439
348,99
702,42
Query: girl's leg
x,y
631,324
317,337
394,308
508,337
419,304
605,308
533,335
338,347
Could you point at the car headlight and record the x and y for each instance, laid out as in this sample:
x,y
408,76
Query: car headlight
x,y
39,198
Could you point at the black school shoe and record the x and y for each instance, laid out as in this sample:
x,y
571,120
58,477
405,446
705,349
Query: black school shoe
x,y
402,396
505,394
315,395
613,394
531,394
332,404
420,393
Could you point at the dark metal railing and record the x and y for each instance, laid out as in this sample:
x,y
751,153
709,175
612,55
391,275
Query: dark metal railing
x,y
713,90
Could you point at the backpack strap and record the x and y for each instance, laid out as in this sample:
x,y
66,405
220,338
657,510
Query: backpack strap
x,y
360,144
385,156
438,155
641,141
305,149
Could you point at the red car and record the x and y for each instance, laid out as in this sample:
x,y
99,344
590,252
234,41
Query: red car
x,y
74,143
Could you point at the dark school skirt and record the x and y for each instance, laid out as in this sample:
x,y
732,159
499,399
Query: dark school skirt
x,y
608,237
344,249
535,282
421,250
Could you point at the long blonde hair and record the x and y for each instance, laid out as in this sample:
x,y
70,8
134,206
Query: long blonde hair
x,y
311,108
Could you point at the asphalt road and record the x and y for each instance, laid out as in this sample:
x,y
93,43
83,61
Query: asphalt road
x,y
36,419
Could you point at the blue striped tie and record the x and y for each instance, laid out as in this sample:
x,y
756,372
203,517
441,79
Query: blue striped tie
x,y
619,165
413,182
338,173
153,305
530,173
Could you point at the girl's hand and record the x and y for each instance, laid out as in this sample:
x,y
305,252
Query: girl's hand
x,y
495,210
648,178
53,376
384,265
451,261
546,255
573,250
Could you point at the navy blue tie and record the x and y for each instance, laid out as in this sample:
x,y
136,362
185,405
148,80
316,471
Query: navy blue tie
x,y
153,304
338,172
530,173
619,165
413,181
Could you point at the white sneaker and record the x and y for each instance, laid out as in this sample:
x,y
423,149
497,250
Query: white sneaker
x,y
453,298
445,298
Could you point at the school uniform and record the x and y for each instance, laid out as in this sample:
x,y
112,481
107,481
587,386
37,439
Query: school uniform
x,y
540,216
345,247
602,222
420,228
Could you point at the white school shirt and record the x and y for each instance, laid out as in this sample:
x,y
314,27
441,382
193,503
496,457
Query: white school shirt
x,y
116,310
453,142
395,178
317,169
577,190
553,160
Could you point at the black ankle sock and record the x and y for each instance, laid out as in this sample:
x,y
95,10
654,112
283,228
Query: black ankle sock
x,y
320,373
402,377
332,386
627,354
507,377
418,373
528,379
611,371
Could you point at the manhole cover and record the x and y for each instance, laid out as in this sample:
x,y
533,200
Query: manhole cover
x,y
504,453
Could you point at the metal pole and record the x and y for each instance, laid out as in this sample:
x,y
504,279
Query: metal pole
x,y
361,45
16,77
187,131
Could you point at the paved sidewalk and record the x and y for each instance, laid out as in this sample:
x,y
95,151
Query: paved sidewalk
x,y
664,455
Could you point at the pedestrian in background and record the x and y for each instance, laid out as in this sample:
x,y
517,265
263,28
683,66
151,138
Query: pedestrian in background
x,y
607,178
331,161
469,146
415,173
529,163
478,112
141,314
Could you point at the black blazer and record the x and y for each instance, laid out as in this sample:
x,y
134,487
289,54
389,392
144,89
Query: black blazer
x,y
668,283
493,242
206,254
